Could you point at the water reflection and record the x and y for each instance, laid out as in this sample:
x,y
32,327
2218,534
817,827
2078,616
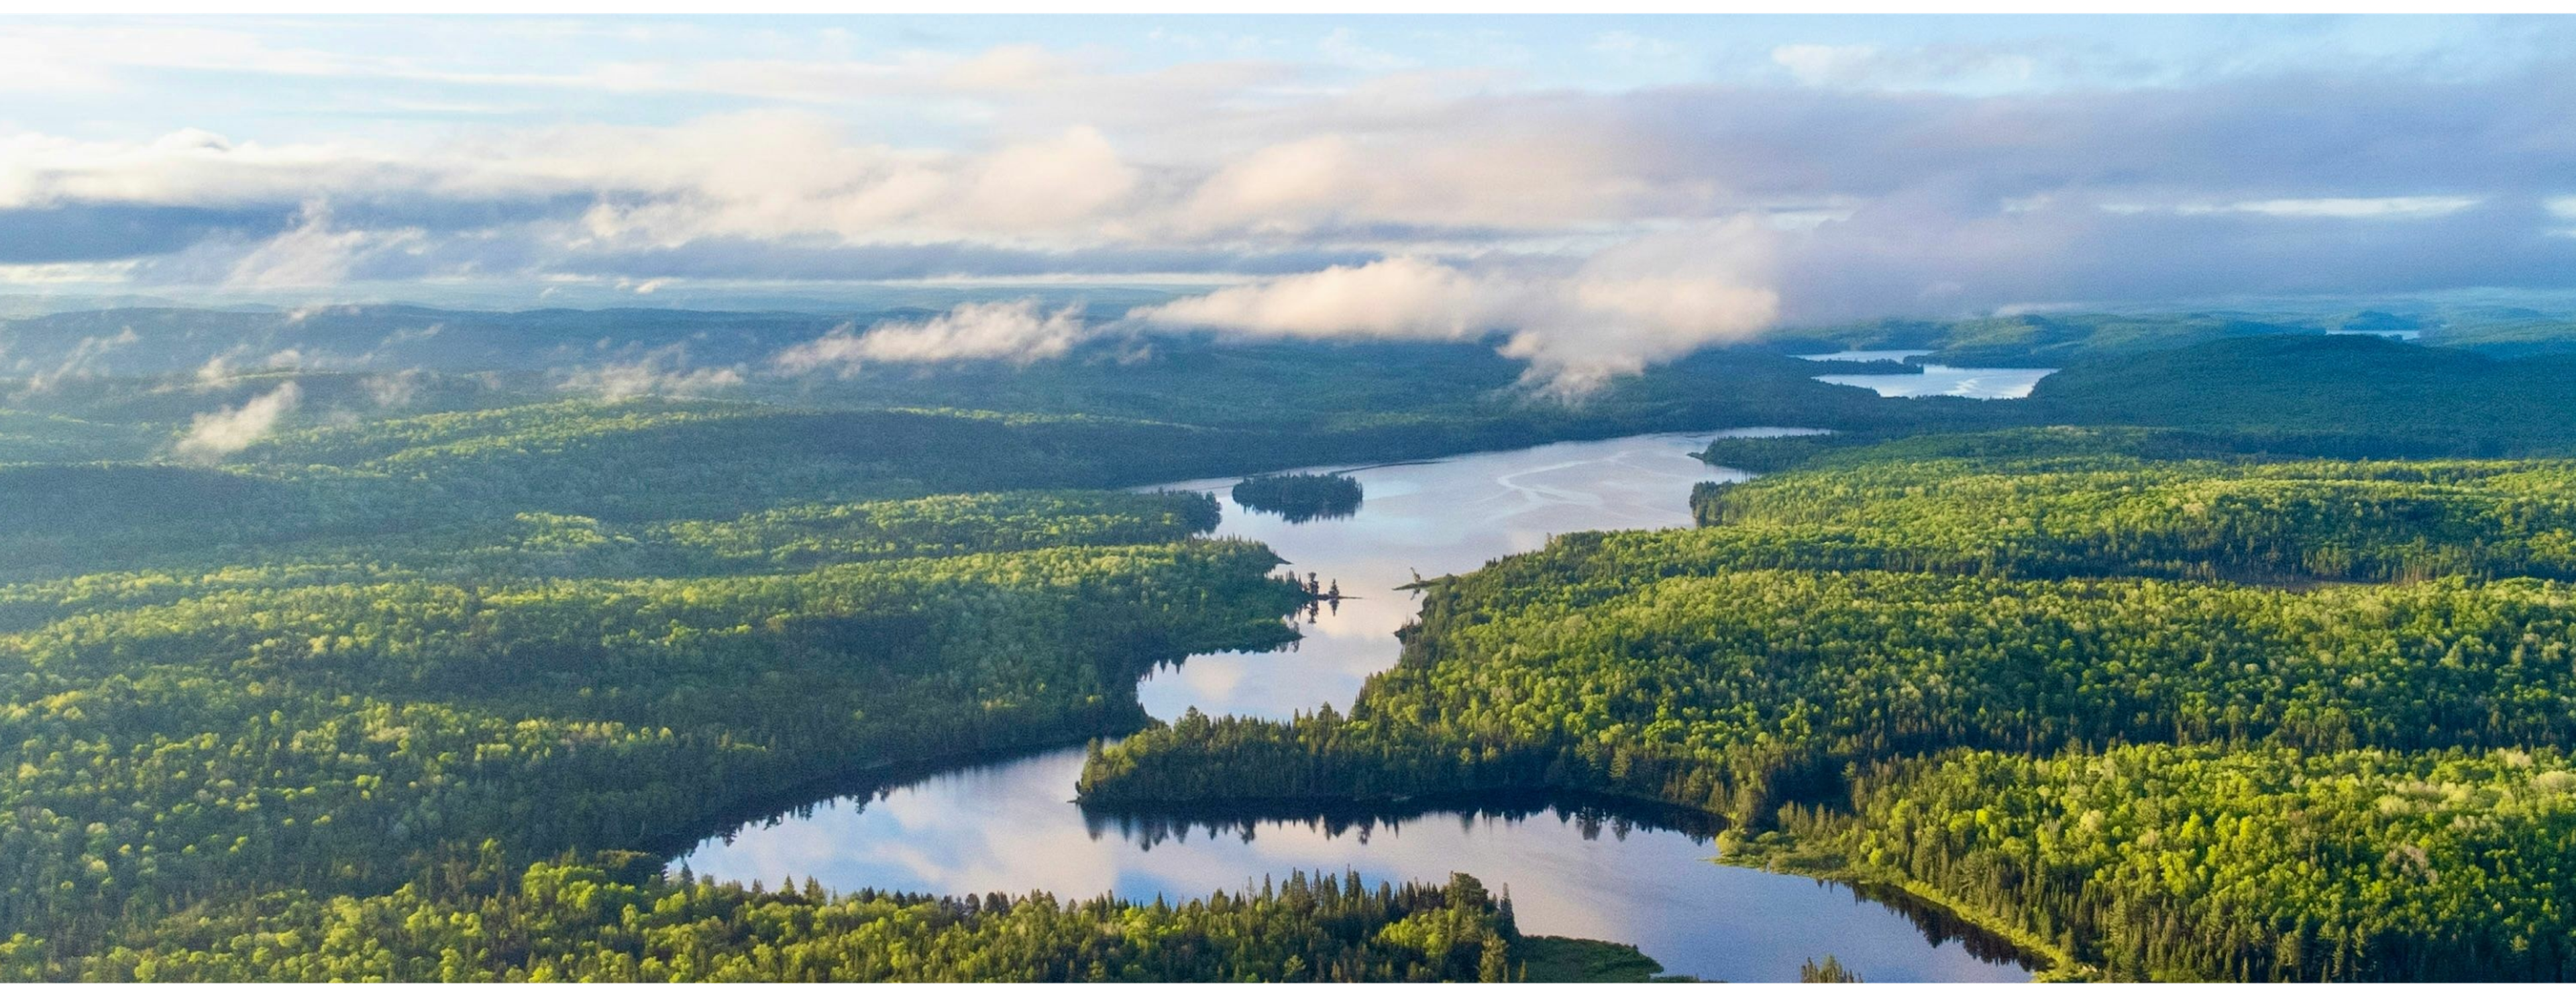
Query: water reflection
x,y
1931,381
1300,498
1618,873
1584,871
1588,818
1424,520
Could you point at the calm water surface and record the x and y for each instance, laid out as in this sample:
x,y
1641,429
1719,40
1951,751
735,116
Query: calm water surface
x,y
1933,381
1012,825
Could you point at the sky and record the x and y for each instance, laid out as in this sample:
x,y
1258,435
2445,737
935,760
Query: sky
x,y
1605,191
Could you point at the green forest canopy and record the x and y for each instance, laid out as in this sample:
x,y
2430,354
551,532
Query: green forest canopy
x,y
1889,663
406,659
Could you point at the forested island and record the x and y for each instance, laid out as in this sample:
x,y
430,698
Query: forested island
x,y
1299,497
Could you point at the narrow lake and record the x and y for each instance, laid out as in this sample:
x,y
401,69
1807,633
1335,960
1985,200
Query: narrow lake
x,y
1584,872
1933,381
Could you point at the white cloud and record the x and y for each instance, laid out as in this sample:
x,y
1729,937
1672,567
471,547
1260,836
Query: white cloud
x,y
1400,298
1017,330
218,434
1824,64
1277,186
1048,183
1534,172
1641,302
2400,207
788,174
87,358
312,255
396,390
198,167
68,273
216,369
663,372
1952,68
1019,158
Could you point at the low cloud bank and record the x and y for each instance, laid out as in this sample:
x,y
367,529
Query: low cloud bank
x,y
1017,330
664,372
1622,309
1578,323
218,434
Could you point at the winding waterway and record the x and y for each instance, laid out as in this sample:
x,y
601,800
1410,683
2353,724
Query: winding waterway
x,y
1630,877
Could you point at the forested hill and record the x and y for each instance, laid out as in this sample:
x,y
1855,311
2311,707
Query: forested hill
x,y
2023,673
2065,339
393,337
2072,501
2345,395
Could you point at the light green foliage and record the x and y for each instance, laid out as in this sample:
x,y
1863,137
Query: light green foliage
x,y
1566,959
2075,501
807,535
576,922
381,655
347,736
1888,659
2252,863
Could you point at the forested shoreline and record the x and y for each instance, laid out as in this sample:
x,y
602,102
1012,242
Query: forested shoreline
x,y
445,653
1893,662
424,663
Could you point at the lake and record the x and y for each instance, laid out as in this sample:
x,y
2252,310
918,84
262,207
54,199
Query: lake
x,y
1933,381
1582,871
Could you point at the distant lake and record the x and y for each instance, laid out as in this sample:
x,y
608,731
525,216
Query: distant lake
x,y
1933,381
1628,876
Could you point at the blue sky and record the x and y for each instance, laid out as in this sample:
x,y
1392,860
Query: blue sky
x,y
1644,182
301,77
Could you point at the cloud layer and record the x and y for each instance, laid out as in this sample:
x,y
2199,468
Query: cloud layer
x,y
1355,184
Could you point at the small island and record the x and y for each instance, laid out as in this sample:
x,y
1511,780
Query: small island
x,y
1300,497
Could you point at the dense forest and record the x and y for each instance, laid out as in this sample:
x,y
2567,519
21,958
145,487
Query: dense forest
x,y
2168,717
349,737
430,654
2068,501
572,921
2348,396
421,674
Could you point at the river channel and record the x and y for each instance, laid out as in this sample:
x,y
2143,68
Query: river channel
x,y
1582,871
